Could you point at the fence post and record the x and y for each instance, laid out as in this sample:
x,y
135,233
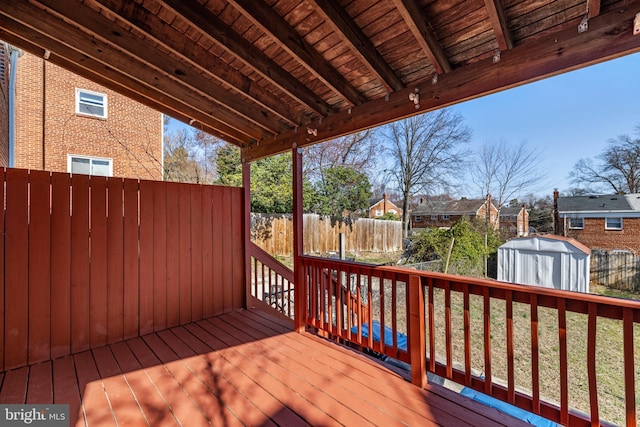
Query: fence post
x,y
417,345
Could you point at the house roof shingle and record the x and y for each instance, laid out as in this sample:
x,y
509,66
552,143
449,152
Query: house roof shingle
x,y
599,203
451,207
508,210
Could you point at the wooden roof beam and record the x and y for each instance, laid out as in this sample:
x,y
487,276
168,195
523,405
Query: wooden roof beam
x,y
264,17
360,44
112,58
167,64
610,36
424,35
594,8
69,59
208,23
499,23
195,55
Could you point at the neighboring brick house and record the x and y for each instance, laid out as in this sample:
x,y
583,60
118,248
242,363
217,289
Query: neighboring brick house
x,y
608,222
514,222
4,103
66,123
445,213
384,206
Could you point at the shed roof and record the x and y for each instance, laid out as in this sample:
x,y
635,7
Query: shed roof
x,y
271,75
548,243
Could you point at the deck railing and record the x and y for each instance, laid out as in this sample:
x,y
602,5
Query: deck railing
x,y
271,281
566,356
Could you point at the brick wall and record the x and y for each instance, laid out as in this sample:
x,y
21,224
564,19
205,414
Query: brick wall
x,y
514,227
595,236
48,128
427,222
29,119
4,104
384,206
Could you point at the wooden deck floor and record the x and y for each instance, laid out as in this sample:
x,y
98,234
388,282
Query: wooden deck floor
x,y
241,368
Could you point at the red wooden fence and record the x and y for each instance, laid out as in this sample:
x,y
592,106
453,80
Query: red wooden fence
x,y
86,261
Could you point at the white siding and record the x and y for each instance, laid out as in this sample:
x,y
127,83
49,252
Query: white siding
x,y
544,262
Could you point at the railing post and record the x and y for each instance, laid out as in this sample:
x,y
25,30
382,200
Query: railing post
x,y
246,232
298,249
417,345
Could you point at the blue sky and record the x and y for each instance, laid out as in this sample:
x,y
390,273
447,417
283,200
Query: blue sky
x,y
566,117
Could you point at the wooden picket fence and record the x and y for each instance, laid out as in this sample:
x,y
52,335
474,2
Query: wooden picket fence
x,y
274,234
614,269
86,261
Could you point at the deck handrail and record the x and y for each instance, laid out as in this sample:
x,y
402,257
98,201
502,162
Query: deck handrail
x,y
325,311
271,281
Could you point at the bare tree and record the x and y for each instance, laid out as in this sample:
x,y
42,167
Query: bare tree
x,y
427,151
506,171
358,151
189,156
619,167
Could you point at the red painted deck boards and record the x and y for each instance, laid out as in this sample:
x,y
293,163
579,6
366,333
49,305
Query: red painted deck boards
x,y
240,368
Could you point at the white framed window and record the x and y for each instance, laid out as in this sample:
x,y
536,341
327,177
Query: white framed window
x,y
446,217
434,217
90,103
613,224
417,218
378,212
89,165
576,223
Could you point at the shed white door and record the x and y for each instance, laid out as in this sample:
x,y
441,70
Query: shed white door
x,y
541,269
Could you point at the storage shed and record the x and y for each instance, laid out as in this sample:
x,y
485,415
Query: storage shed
x,y
549,261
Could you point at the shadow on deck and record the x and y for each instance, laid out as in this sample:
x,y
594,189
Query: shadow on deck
x,y
240,368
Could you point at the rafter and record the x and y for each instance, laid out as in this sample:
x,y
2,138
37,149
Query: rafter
x,y
167,64
65,57
34,17
360,44
209,24
265,18
499,23
417,23
610,35
195,55
594,8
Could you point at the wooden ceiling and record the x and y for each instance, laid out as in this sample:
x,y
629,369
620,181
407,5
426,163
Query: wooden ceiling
x,y
268,74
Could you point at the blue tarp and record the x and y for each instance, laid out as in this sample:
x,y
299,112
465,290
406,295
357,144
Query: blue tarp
x,y
388,335
514,411
501,406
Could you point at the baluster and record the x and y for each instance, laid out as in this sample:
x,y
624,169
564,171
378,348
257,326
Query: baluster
x,y
535,364
629,374
511,394
591,363
564,388
467,338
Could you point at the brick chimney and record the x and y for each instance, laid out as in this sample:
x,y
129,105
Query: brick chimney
x,y
557,226
385,198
